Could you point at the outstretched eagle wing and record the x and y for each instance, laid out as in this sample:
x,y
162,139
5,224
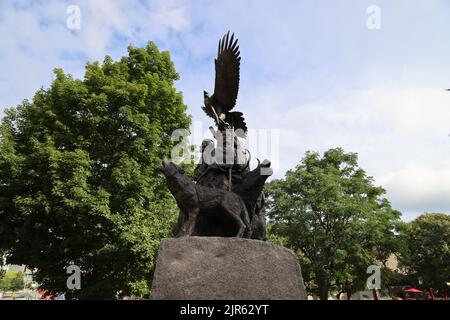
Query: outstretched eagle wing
x,y
209,112
227,73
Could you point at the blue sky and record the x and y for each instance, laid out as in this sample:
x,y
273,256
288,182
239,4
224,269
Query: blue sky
x,y
311,70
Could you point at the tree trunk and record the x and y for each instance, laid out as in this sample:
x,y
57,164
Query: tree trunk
x,y
322,283
349,295
376,295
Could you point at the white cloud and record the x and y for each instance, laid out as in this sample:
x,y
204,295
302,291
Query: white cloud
x,y
172,18
101,21
419,189
35,38
401,134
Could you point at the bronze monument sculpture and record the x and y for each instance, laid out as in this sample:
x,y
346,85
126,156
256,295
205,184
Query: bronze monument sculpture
x,y
226,198
217,252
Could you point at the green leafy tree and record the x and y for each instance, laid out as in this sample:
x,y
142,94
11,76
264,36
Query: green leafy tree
x,y
427,258
329,212
78,175
12,281
17,282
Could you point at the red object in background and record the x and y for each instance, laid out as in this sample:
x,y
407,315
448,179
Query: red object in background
x,y
412,290
416,294
432,294
46,295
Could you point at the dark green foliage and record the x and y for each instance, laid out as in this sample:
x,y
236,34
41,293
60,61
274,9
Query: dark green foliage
x,y
427,254
78,179
330,213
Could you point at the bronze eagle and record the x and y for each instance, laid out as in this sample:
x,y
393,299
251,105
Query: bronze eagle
x,y
219,105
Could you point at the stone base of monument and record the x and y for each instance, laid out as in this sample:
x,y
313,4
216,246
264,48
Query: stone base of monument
x,y
213,268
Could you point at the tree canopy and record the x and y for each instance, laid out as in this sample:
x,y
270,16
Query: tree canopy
x,y
331,214
427,255
12,281
78,179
